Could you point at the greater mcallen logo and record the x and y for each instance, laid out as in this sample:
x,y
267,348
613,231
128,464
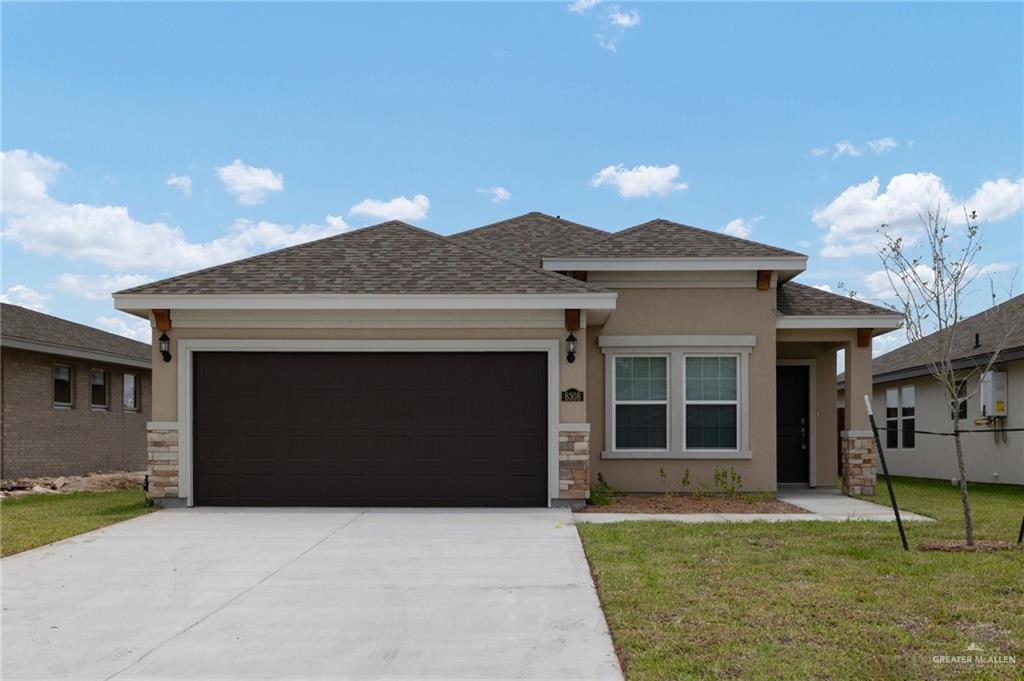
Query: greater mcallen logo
x,y
975,655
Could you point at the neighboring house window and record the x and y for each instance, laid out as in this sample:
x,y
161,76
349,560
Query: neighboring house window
x,y
63,385
892,418
131,392
907,415
641,402
98,386
959,405
711,404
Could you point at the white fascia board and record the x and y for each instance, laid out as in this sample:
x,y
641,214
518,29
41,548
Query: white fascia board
x,y
783,263
887,322
291,301
78,353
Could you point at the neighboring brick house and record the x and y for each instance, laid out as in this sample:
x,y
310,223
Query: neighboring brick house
x,y
74,399
509,365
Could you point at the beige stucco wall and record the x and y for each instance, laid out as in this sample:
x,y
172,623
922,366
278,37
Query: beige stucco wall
x,y
687,311
935,457
165,374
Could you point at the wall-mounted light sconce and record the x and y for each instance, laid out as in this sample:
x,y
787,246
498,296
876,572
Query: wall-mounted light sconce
x,y
165,347
570,348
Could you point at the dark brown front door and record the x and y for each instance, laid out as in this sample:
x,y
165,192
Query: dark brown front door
x,y
370,429
792,423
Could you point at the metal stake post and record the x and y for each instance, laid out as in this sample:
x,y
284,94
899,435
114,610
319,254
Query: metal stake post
x,y
885,472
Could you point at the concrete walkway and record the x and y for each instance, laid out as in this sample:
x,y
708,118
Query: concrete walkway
x,y
309,594
822,503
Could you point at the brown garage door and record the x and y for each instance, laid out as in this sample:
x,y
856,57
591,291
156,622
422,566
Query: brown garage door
x,y
370,429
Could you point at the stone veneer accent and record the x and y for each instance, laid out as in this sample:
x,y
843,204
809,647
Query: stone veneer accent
x,y
574,464
162,451
859,469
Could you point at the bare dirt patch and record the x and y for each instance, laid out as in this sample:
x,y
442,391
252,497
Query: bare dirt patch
x,y
690,503
94,482
982,546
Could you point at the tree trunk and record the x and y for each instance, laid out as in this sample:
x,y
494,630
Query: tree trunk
x,y
964,499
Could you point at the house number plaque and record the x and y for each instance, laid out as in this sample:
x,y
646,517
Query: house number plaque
x,y
572,395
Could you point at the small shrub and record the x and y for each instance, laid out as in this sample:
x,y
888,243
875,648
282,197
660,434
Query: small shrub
x,y
664,481
685,482
601,492
727,481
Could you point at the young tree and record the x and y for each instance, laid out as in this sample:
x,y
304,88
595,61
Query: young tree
x,y
930,282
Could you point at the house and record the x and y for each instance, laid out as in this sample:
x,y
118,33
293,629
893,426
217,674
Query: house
x,y
75,399
907,398
507,365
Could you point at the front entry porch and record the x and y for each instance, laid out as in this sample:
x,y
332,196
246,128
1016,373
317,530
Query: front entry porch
x,y
808,361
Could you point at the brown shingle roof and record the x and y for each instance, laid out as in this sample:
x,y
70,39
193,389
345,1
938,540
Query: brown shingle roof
x,y
529,238
389,258
991,326
667,239
22,324
799,300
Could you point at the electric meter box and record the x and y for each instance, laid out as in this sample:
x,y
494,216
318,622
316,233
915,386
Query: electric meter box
x,y
993,394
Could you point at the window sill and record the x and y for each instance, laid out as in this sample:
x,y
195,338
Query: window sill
x,y
695,455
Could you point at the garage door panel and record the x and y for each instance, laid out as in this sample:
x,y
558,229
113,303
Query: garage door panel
x,y
402,429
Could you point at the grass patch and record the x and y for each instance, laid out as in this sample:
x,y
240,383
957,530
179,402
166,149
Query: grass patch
x,y
39,519
815,600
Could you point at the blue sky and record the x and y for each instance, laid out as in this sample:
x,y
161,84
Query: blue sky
x,y
779,116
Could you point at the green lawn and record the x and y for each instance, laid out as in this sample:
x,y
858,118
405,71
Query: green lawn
x,y
39,519
810,600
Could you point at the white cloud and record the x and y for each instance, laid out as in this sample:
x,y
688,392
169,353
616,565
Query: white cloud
x,y
581,6
848,148
108,235
98,287
398,208
23,296
803,243
616,23
183,183
129,327
497,194
249,184
741,228
854,217
823,287
845,148
627,19
882,145
640,180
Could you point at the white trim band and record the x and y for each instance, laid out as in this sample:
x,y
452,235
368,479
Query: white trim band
x,y
709,264
839,322
300,301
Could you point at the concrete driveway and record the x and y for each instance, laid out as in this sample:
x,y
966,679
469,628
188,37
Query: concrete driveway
x,y
309,594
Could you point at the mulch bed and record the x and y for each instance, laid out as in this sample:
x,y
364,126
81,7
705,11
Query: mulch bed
x,y
985,546
94,482
689,503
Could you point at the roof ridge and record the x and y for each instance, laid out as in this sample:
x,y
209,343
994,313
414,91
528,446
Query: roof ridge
x,y
539,270
116,336
673,223
255,256
471,230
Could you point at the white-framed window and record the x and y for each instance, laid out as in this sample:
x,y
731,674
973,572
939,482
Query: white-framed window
x,y
640,409
130,391
900,419
711,405
907,417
